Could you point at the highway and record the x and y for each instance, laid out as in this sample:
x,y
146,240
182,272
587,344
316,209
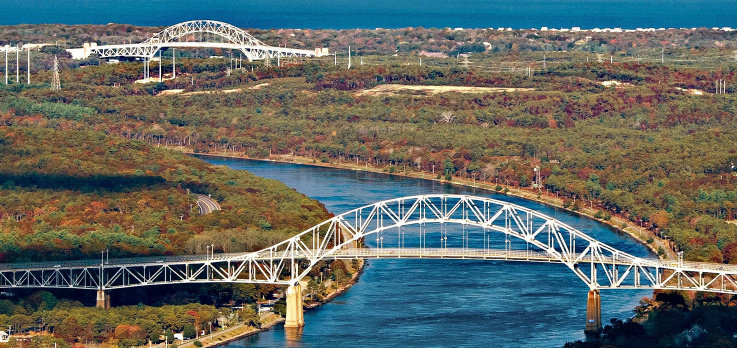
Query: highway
x,y
207,205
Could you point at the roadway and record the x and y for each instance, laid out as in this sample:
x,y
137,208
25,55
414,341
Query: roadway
x,y
356,253
207,204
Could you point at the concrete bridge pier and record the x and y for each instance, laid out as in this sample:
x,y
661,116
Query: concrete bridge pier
x,y
295,315
593,315
103,299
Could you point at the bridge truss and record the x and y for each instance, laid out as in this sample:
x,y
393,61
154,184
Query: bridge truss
x,y
426,226
180,35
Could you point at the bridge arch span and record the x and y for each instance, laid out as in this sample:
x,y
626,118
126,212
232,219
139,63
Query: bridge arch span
x,y
529,236
237,39
227,31
237,36
396,228
376,231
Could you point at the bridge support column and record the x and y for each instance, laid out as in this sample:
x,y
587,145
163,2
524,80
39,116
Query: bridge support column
x,y
295,315
103,299
593,315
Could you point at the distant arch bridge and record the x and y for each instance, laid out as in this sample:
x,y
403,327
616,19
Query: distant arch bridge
x,y
180,35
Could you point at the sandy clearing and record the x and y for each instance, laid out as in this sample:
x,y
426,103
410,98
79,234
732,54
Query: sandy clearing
x,y
432,90
179,91
226,91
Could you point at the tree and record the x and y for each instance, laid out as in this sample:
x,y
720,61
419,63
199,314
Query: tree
x,y
189,331
169,336
313,289
523,181
660,218
249,316
449,169
69,329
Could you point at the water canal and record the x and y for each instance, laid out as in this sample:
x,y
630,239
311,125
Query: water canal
x,y
441,303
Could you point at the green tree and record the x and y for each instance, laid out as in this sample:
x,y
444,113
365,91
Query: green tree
x,y
189,331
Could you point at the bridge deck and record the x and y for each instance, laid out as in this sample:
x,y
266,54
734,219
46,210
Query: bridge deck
x,y
356,253
224,45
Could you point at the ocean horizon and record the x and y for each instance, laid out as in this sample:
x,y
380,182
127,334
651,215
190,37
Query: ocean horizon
x,y
371,14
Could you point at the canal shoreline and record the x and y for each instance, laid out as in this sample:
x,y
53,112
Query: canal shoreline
x,y
612,226
208,343
227,336
341,290
616,222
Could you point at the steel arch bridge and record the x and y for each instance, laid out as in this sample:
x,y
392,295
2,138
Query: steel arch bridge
x,y
380,230
177,36
407,227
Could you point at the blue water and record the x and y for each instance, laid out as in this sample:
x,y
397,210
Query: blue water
x,y
440,303
342,14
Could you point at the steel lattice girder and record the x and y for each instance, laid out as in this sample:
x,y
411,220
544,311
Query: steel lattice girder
x,y
237,38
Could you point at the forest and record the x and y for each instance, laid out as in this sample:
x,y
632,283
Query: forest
x,y
98,165
648,150
70,194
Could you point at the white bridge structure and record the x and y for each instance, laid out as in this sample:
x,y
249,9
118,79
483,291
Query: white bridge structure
x,y
418,227
182,35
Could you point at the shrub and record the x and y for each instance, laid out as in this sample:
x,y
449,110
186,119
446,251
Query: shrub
x,y
567,203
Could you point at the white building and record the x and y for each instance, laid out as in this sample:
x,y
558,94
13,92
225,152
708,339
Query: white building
x,y
4,337
84,52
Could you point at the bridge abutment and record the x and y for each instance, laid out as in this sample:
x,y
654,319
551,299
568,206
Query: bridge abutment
x,y
103,299
295,313
593,315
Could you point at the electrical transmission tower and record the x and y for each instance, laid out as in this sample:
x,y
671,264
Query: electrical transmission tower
x,y
267,61
56,83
